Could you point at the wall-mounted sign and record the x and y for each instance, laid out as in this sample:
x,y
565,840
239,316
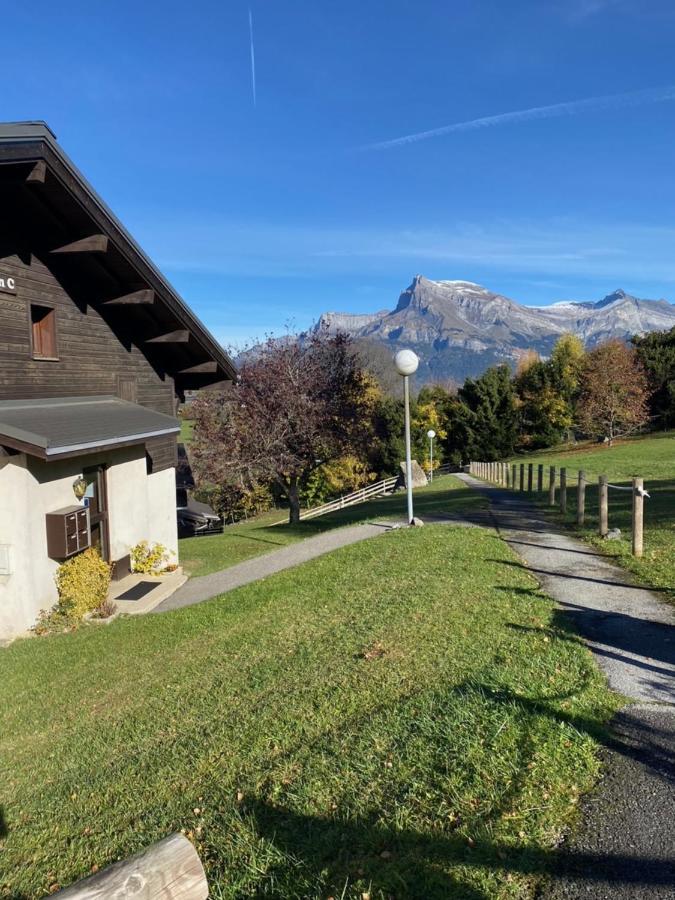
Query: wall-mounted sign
x,y
7,284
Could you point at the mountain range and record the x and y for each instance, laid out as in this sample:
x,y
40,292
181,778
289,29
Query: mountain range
x,y
459,329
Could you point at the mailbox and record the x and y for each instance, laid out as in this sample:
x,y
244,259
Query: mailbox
x,y
68,531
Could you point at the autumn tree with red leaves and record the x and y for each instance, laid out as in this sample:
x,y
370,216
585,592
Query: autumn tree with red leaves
x,y
294,406
614,392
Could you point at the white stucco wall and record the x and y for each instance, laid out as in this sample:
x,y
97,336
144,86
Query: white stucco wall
x,y
25,591
162,524
140,506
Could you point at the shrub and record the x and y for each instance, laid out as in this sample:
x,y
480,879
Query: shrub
x,y
55,621
339,476
104,610
150,559
83,583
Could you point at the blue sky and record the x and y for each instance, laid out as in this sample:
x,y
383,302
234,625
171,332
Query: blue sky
x,y
271,212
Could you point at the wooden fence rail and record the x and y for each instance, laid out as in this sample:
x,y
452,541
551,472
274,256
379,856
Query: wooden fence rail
x,y
517,477
379,489
168,870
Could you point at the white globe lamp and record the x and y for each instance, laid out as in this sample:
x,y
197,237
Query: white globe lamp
x,y
406,362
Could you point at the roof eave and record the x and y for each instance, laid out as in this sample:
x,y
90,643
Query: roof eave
x,y
28,142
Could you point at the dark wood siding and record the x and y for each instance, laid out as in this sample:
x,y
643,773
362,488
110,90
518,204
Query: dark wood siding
x,y
92,357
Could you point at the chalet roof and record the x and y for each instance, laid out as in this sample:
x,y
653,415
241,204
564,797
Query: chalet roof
x,y
47,200
63,427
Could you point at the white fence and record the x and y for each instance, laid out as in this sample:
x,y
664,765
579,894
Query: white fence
x,y
379,489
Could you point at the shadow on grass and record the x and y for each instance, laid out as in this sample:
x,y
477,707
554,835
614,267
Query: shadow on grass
x,y
551,573
434,499
416,865
335,852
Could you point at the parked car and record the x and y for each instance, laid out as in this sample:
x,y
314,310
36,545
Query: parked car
x,y
195,518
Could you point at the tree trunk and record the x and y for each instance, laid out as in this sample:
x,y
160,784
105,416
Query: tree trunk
x,y
293,501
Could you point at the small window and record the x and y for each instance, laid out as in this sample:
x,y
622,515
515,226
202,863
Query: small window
x,y
43,325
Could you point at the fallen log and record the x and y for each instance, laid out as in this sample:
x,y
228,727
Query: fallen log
x,y
168,870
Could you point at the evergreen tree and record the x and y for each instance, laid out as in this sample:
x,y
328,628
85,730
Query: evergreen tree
x,y
490,420
656,352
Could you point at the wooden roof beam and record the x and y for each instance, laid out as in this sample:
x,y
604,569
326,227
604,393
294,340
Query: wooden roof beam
x,y
95,243
145,297
205,368
172,337
38,173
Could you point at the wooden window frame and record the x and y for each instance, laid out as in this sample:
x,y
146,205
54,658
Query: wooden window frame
x,y
43,305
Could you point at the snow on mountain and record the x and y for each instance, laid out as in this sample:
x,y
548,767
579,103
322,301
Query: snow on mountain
x,y
459,328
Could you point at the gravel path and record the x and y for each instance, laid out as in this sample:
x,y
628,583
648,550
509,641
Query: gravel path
x,y
625,849
195,590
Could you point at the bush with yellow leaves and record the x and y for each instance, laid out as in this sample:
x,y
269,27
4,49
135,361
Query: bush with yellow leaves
x,y
83,583
150,559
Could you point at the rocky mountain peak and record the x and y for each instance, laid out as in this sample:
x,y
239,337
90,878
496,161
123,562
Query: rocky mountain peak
x,y
459,328
618,294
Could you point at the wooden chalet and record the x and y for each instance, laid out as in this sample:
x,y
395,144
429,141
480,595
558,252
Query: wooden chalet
x,y
95,348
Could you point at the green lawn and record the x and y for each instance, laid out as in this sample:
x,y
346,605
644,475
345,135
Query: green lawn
x,y
202,555
187,427
654,459
401,718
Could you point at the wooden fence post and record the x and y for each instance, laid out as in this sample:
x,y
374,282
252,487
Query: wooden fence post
x,y
581,498
551,486
508,475
603,503
505,474
638,515
167,870
522,476
563,490
540,477
530,468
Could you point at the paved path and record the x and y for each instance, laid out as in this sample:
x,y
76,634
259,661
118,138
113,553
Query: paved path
x,y
206,586
626,847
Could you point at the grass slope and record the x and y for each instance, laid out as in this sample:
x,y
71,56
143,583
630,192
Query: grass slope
x,y
400,718
202,555
187,427
654,459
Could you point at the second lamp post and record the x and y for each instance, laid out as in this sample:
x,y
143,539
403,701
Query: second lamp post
x,y
431,434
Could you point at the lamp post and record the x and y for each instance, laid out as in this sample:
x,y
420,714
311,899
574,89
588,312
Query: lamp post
x,y
406,363
431,434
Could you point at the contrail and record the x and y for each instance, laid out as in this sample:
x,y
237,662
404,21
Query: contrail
x,y
250,29
573,108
